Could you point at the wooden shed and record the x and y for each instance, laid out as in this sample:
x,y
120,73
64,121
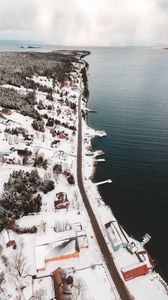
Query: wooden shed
x,y
9,238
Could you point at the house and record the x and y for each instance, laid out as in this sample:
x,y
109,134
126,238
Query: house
x,y
116,235
9,238
24,152
61,201
63,136
5,112
55,246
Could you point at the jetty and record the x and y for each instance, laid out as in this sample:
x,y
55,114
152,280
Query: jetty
x,y
103,182
89,110
100,133
100,160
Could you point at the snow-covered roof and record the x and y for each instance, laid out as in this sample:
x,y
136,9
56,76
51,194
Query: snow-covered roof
x,y
53,236
40,253
55,251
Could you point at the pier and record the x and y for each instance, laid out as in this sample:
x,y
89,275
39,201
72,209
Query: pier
x,y
100,160
103,182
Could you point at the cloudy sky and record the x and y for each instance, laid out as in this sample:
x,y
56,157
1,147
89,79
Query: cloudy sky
x,y
85,22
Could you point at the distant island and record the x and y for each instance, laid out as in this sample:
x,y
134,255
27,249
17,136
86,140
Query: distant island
x,y
30,47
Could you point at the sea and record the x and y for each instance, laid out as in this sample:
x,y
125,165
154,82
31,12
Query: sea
x,y
129,94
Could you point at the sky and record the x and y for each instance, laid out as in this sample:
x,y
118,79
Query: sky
x,y
85,22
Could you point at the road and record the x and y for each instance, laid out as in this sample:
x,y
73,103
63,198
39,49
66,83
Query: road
x,y
119,283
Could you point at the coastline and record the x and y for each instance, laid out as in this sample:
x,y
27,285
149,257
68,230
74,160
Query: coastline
x,y
99,203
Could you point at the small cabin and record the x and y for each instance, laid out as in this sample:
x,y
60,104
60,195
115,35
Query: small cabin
x,y
9,238
5,112
63,136
24,152
61,201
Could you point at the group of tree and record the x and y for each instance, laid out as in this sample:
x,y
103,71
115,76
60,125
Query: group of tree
x,y
15,131
38,124
21,195
85,83
11,99
17,69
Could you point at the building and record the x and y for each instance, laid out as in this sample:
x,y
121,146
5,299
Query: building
x,y
135,270
9,238
55,246
58,284
5,112
63,136
61,201
116,236
24,152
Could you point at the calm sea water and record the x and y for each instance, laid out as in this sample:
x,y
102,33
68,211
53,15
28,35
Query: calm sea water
x,y
129,91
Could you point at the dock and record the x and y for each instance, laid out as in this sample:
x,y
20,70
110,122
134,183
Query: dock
x,y
103,182
89,110
100,160
100,133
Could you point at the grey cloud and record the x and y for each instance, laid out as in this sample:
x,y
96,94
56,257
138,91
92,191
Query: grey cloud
x,y
86,22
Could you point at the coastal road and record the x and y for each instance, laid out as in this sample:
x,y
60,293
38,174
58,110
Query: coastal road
x,y
119,283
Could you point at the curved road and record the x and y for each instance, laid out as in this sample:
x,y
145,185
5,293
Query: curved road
x,y
119,283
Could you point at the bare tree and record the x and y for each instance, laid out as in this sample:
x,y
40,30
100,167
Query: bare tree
x,y
61,226
47,176
39,294
19,261
43,226
80,289
16,139
2,280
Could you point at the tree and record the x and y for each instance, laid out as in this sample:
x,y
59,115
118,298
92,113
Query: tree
x,y
70,179
38,125
48,185
2,280
19,261
39,294
57,169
